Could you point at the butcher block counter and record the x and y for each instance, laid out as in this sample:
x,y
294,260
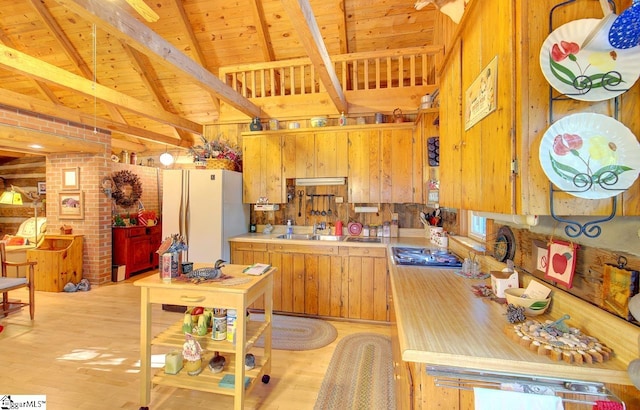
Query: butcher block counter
x,y
441,322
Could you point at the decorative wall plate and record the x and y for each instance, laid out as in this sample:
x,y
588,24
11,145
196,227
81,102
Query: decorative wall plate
x,y
594,73
505,245
625,31
590,155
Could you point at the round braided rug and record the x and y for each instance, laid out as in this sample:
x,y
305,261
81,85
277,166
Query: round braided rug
x,y
297,333
360,375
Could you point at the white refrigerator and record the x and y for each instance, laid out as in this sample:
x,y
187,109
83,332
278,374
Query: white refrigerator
x,y
205,207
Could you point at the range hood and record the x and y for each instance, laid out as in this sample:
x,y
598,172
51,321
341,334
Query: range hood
x,y
320,181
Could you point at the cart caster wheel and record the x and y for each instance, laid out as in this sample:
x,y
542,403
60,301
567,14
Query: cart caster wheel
x,y
266,378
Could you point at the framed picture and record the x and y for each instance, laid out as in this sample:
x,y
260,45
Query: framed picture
x,y
561,262
71,178
71,205
539,253
42,188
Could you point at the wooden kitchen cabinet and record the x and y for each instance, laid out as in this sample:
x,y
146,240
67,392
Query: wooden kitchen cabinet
x,y
135,247
262,175
364,166
311,154
248,253
307,271
397,158
368,276
494,165
322,280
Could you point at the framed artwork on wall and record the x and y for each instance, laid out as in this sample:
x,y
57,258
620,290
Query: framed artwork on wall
x,y
42,188
561,262
71,205
71,178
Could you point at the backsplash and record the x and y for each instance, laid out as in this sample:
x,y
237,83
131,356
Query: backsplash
x,y
325,200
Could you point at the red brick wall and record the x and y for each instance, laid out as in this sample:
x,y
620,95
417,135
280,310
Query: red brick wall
x,y
96,224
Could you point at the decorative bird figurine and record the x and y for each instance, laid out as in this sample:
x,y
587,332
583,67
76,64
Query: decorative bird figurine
x,y
202,274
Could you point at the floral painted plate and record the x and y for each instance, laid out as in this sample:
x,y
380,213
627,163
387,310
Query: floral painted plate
x,y
590,155
594,73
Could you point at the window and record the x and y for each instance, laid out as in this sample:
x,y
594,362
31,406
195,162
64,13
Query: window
x,y
477,227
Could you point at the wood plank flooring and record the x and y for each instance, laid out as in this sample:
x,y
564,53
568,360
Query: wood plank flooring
x,y
82,351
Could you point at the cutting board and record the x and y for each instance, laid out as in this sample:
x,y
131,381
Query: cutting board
x,y
618,286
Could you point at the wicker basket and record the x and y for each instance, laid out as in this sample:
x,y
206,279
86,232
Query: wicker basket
x,y
220,163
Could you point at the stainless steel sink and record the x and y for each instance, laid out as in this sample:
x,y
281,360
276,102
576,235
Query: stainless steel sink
x,y
363,239
309,237
326,238
296,236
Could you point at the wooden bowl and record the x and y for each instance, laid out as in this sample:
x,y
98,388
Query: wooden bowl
x,y
532,307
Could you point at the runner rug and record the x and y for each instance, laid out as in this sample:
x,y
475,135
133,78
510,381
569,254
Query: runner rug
x,y
297,333
360,375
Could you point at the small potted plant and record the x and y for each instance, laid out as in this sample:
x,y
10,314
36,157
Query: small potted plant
x,y
217,153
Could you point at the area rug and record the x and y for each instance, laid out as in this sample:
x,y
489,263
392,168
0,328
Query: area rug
x,y
297,333
360,375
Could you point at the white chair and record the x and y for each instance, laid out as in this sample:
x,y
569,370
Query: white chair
x,y
9,284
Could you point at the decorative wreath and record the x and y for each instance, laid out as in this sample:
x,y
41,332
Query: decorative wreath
x,y
121,179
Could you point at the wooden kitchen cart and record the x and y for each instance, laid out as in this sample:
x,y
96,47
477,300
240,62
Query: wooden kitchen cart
x,y
211,294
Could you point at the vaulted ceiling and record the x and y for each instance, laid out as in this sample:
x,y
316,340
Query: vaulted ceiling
x,y
155,83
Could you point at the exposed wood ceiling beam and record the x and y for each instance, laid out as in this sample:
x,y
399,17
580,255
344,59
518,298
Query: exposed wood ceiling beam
x,y
262,29
118,23
47,108
342,32
32,67
311,39
40,86
18,139
150,79
70,50
198,55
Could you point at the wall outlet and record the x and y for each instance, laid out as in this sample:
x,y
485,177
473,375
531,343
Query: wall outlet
x,y
339,200
394,216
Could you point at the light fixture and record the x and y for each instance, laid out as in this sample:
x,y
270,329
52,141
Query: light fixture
x,y
166,159
15,198
11,197
319,181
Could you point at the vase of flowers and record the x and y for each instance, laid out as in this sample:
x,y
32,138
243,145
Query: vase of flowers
x,y
217,153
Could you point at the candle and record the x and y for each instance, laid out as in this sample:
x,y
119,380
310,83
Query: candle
x,y
173,362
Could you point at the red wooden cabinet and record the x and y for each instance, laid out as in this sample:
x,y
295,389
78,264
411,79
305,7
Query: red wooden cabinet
x,y
135,247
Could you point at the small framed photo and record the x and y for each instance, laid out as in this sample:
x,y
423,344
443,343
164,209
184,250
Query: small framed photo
x,y
71,205
42,188
71,178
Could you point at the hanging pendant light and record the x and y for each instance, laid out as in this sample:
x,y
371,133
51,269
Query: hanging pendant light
x,y
166,159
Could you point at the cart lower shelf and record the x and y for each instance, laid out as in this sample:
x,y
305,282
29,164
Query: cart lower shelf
x,y
207,381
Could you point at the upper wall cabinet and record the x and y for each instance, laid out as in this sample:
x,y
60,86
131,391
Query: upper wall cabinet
x,y
315,154
262,169
494,164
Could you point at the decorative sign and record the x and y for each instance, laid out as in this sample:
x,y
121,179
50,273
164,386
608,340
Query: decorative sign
x,y
480,97
561,262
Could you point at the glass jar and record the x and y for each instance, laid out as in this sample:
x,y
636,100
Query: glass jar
x,y
365,230
373,230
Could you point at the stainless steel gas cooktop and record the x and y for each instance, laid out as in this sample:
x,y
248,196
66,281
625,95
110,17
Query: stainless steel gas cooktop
x,y
429,257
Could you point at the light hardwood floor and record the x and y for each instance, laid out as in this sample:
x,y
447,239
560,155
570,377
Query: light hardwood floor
x,y
82,352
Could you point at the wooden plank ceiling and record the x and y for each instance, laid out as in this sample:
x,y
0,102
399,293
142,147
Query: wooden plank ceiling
x,y
154,84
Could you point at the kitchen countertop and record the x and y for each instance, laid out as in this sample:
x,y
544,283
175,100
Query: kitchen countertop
x,y
384,243
441,322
